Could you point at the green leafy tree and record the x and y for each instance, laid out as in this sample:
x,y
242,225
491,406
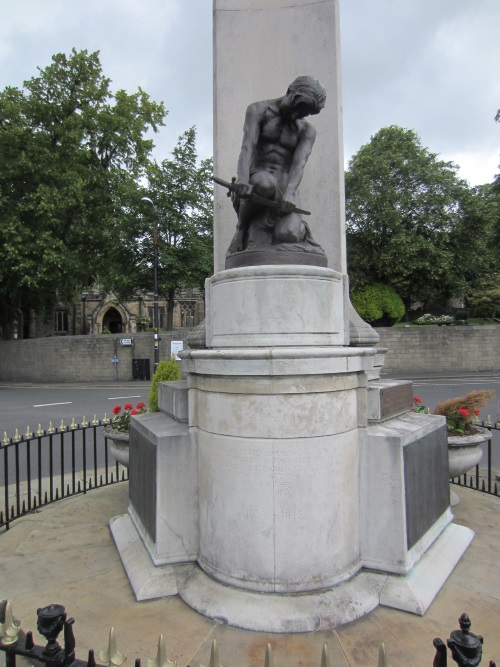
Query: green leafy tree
x,y
411,222
70,152
182,213
486,299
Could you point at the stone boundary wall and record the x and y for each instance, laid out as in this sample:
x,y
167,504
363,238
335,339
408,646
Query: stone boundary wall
x,y
79,358
427,349
434,349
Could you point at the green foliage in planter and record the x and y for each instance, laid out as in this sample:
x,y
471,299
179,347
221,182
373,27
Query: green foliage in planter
x,y
462,315
378,303
167,371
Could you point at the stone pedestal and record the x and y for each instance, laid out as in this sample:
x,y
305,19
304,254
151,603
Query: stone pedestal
x,y
301,495
278,454
270,306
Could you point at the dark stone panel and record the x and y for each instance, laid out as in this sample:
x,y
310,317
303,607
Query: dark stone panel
x,y
427,487
395,400
142,484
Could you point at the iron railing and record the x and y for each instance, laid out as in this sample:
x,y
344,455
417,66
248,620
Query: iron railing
x,y
465,647
41,467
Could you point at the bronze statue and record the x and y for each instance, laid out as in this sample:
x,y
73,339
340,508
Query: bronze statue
x,y
277,142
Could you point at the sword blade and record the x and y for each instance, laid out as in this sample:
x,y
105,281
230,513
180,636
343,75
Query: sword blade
x,y
257,198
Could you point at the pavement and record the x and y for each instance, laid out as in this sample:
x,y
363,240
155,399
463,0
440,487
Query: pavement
x,y
64,553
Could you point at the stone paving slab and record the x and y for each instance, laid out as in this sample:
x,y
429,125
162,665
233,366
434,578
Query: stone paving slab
x,y
64,553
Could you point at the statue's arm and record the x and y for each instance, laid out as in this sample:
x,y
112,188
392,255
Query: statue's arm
x,y
300,157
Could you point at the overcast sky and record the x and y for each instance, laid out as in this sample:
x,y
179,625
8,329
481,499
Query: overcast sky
x,y
428,65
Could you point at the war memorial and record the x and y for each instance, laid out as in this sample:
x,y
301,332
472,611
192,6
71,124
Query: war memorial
x,y
284,486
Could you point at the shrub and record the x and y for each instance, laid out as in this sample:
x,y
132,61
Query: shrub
x,y
462,315
434,319
487,310
460,411
167,371
378,304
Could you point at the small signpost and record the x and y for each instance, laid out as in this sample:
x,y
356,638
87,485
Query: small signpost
x,y
126,341
175,347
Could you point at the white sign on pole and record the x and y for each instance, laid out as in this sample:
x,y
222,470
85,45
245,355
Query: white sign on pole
x,y
175,347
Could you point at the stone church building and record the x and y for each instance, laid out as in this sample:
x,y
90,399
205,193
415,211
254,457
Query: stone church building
x,y
100,313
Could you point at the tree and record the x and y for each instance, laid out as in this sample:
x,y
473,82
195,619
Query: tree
x,y
486,299
70,152
181,192
411,222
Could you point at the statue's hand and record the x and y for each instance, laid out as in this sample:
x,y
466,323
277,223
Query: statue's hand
x,y
242,189
286,207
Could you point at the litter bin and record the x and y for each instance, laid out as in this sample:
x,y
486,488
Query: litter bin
x,y
140,369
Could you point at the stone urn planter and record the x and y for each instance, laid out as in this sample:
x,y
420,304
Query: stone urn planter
x,y
464,453
119,447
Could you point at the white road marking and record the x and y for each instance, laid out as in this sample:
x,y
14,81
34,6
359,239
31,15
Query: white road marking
x,y
48,405
120,398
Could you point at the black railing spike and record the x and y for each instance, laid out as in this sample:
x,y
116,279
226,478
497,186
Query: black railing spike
x,y
137,662
91,658
470,482
57,494
34,503
100,480
12,515
1,518
496,489
29,643
112,480
46,499
68,492
123,475
79,487
69,642
90,484
483,487
23,510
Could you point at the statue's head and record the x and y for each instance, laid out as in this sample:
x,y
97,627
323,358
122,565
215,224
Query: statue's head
x,y
305,97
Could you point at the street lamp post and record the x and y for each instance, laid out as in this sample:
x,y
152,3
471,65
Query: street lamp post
x,y
155,284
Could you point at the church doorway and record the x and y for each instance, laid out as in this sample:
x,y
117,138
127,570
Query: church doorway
x,y
112,321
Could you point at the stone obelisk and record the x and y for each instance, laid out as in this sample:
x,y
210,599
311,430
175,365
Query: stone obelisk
x,y
284,486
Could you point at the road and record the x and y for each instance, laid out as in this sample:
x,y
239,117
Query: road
x,y
23,406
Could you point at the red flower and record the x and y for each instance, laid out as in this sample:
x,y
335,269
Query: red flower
x,y
134,412
140,406
128,406
117,409
416,399
464,412
476,412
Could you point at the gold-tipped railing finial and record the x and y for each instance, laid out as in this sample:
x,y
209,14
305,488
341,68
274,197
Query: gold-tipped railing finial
x,y
161,656
382,656
9,628
214,656
325,658
268,660
112,656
